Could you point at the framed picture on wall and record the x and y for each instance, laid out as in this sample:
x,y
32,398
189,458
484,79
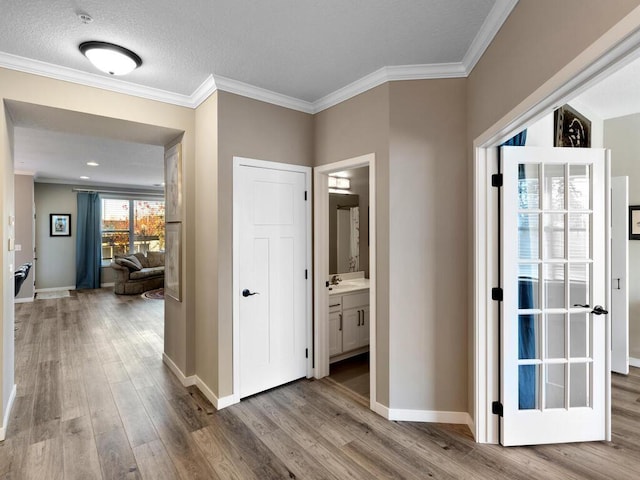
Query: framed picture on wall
x,y
59,224
634,222
173,183
173,261
572,128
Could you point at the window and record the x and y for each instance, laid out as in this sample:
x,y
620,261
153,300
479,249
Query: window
x,y
131,226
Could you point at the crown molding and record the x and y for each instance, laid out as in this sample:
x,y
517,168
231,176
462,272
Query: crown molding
x,y
257,93
490,27
36,67
390,74
203,92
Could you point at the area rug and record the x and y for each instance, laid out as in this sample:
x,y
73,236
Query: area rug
x,y
157,294
51,295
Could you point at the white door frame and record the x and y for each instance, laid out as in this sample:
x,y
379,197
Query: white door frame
x,y
250,162
611,52
321,264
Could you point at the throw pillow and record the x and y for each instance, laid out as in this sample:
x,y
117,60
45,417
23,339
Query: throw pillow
x,y
155,259
130,261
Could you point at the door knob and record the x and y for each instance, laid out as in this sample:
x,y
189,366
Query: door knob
x,y
598,310
247,293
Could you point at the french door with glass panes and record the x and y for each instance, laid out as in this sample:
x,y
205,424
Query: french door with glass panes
x,y
554,275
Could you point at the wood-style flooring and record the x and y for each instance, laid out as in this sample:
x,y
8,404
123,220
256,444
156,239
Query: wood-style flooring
x,y
95,401
352,373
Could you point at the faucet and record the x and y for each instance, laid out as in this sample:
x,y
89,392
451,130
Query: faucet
x,y
335,280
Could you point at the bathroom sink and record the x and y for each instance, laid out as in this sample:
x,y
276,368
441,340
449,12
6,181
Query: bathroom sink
x,y
349,286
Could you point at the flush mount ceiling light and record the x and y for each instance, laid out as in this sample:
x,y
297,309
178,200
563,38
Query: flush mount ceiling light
x,y
110,58
93,164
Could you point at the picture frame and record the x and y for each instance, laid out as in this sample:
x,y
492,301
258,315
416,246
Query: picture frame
x,y
173,184
173,261
634,222
572,129
59,224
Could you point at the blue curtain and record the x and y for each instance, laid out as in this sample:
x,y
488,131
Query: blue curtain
x,y
88,241
526,300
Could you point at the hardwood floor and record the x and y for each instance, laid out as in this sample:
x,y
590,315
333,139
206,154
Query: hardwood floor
x,y
352,373
95,401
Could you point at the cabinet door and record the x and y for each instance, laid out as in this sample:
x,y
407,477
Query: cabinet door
x,y
351,329
364,327
335,333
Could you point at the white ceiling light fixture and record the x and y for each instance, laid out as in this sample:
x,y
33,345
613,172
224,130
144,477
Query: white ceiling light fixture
x,y
110,58
93,164
84,177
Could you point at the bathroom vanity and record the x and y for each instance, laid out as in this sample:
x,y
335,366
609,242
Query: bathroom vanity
x,y
348,317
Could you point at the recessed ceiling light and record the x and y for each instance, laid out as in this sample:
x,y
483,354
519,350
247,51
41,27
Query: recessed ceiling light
x,y
84,177
110,58
93,164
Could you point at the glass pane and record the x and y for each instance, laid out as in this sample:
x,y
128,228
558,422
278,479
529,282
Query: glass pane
x,y
579,335
528,236
555,334
528,334
579,393
554,187
528,386
579,187
554,293
579,243
579,277
114,243
554,386
528,186
148,225
115,227
553,235
528,290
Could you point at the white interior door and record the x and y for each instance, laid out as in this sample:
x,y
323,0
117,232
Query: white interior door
x,y
270,209
620,275
554,270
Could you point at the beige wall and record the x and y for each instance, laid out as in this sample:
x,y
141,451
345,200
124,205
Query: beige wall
x,y
6,262
24,229
538,39
621,136
251,129
56,264
357,127
206,234
427,245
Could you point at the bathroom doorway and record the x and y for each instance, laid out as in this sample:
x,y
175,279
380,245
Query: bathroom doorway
x,y
344,331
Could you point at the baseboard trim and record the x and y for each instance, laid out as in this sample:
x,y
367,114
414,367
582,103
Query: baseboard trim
x,y
634,362
110,284
54,289
192,380
219,403
23,300
5,420
427,416
184,380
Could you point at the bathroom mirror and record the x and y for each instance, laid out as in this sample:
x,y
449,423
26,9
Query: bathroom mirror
x,y
344,233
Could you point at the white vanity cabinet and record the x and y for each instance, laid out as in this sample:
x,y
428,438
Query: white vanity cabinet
x,y
348,325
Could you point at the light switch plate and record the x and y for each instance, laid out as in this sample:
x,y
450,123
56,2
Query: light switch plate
x,y
18,247
12,220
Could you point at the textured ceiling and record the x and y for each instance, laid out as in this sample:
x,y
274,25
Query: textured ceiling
x,y
305,49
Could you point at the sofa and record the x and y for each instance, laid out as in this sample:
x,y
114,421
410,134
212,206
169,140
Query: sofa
x,y
137,273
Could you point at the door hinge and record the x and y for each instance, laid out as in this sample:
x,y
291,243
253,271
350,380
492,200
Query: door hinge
x,y
496,180
306,353
306,274
305,195
497,294
497,409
